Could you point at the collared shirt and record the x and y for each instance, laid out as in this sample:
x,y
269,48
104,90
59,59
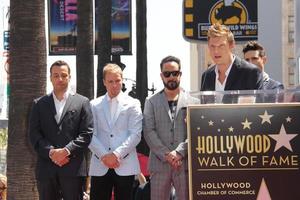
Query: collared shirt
x,y
60,104
266,76
113,104
218,85
59,107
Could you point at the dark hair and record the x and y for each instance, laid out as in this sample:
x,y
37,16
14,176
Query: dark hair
x,y
254,46
60,63
170,59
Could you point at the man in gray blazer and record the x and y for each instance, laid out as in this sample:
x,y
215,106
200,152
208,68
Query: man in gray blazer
x,y
165,133
60,130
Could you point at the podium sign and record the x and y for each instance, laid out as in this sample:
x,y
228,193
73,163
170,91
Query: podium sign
x,y
244,151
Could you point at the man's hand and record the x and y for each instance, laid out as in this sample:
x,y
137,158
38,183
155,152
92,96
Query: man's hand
x,y
59,156
110,160
174,159
63,162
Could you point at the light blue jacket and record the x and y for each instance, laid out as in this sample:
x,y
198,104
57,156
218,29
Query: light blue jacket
x,y
120,135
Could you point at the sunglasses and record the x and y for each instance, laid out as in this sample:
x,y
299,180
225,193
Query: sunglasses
x,y
167,74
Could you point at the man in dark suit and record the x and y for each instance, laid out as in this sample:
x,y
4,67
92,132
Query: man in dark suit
x,y
229,71
255,54
60,129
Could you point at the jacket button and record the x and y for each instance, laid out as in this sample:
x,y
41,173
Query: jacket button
x,y
111,136
109,148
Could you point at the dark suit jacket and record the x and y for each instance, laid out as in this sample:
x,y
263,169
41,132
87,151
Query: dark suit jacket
x,y
242,76
74,131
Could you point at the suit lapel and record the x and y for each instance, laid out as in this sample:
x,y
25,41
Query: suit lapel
x,y
52,109
233,74
210,80
107,111
121,104
180,103
66,107
50,100
166,104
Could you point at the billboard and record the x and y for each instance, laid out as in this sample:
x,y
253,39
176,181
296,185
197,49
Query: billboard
x,y
244,151
120,27
4,62
63,27
239,15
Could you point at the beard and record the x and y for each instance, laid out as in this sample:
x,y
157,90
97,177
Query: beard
x,y
171,85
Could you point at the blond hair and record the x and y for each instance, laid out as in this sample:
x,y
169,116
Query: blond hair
x,y
218,30
112,68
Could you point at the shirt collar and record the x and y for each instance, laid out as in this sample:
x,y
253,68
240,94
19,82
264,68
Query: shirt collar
x,y
266,76
66,95
228,69
116,98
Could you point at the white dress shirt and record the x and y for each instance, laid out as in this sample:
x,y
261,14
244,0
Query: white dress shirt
x,y
218,85
60,104
113,104
59,107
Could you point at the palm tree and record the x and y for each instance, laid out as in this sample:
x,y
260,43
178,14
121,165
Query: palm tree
x,y
103,44
141,51
85,53
141,61
28,81
84,49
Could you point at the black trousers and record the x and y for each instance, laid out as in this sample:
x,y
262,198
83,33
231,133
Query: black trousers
x,y
102,186
57,188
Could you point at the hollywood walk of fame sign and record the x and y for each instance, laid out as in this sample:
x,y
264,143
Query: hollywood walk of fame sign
x,y
244,152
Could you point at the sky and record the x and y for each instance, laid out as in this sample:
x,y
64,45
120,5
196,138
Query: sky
x,y
164,37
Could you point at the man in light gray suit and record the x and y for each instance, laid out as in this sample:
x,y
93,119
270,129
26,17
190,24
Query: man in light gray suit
x,y
118,125
165,133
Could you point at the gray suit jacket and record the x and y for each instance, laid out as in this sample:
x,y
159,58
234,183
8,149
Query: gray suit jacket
x,y
161,133
74,131
271,84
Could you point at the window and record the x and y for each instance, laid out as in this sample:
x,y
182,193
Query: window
x,y
291,28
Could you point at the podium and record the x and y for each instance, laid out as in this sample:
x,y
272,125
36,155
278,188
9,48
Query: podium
x,y
244,145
